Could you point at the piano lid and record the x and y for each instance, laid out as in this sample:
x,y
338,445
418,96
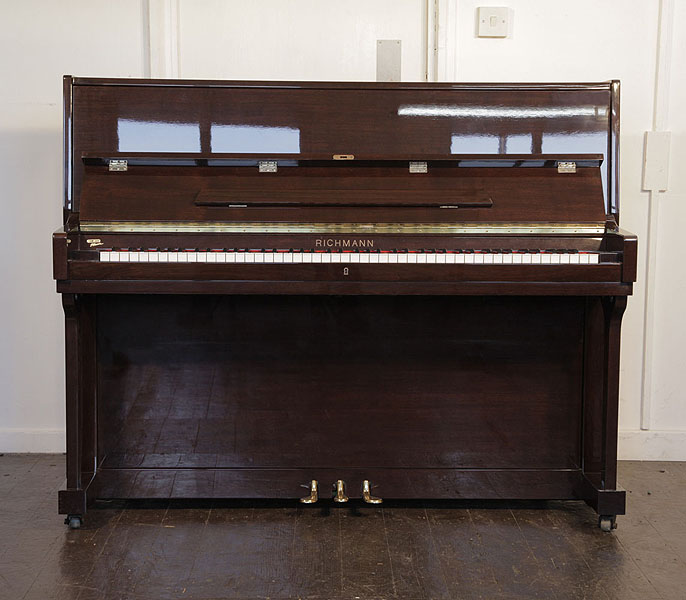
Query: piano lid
x,y
193,151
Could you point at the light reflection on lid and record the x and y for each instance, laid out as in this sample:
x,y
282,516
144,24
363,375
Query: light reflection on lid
x,y
499,112
157,136
251,139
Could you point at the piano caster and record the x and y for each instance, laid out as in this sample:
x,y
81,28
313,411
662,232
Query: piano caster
x,y
74,521
339,492
367,493
607,522
314,493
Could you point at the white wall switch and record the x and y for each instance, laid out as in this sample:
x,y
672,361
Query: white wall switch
x,y
492,21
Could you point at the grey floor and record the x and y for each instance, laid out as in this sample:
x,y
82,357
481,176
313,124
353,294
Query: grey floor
x,y
406,551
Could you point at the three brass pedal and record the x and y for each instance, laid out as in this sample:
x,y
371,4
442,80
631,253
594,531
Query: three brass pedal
x,y
339,495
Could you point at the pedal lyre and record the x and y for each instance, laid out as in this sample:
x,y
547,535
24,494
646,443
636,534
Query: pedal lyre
x,y
314,493
339,491
367,493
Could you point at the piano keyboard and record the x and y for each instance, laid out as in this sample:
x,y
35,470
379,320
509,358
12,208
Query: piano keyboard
x,y
440,257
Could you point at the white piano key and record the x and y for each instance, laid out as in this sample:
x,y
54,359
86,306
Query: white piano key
x,y
412,258
257,257
316,257
469,259
545,259
595,259
374,258
459,258
287,257
163,257
248,257
440,258
497,259
153,257
211,257
393,258
365,257
526,259
554,259
105,256
584,259
192,257
564,259
535,259
354,257
402,258
488,259
269,257
230,257
478,259
220,257
133,257
202,257
182,257
297,257
173,257
431,259
508,258
123,257
518,259
574,259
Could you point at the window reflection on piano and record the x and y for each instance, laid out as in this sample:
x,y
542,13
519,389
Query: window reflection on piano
x,y
251,139
157,136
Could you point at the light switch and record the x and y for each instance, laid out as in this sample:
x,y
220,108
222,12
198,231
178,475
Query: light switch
x,y
493,21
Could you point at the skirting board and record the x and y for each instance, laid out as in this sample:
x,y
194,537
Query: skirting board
x,y
652,445
633,445
32,440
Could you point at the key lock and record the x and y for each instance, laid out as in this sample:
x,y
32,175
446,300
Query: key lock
x,y
339,495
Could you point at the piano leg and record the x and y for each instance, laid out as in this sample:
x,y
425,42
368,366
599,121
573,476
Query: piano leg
x,y
80,350
601,409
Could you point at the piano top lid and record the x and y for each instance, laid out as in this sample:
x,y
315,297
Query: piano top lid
x,y
179,124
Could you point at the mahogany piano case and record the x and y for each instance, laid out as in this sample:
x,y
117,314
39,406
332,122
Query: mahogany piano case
x,y
366,290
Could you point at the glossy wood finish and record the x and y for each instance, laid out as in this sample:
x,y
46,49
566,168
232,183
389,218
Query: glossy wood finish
x,y
343,194
404,550
433,381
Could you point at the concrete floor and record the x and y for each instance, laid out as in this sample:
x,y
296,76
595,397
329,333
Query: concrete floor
x,y
414,550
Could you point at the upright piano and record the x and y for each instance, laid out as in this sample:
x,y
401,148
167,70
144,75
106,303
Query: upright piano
x,y
347,291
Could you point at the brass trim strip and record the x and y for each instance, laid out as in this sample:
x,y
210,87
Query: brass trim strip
x,y
342,228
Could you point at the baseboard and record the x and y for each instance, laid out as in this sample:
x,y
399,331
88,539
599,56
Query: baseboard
x,y
32,440
652,445
633,445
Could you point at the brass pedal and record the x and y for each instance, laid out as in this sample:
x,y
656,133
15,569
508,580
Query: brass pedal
x,y
339,492
367,493
314,493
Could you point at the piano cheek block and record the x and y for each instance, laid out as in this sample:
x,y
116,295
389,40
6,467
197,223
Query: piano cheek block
x,y
351,309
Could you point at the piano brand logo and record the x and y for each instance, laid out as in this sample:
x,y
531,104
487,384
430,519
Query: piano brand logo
x,y
332,243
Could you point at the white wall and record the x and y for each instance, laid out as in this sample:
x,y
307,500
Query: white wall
x,y
586,40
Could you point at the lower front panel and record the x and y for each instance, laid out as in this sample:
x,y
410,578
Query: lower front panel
x,y
219,396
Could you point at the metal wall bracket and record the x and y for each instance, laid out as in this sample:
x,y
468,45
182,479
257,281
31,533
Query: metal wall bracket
x,y
418,166
566,167
267,166
118,165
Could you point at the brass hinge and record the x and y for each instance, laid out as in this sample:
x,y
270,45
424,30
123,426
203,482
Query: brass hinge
x,y
566,167
118,165
418,166
267,166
